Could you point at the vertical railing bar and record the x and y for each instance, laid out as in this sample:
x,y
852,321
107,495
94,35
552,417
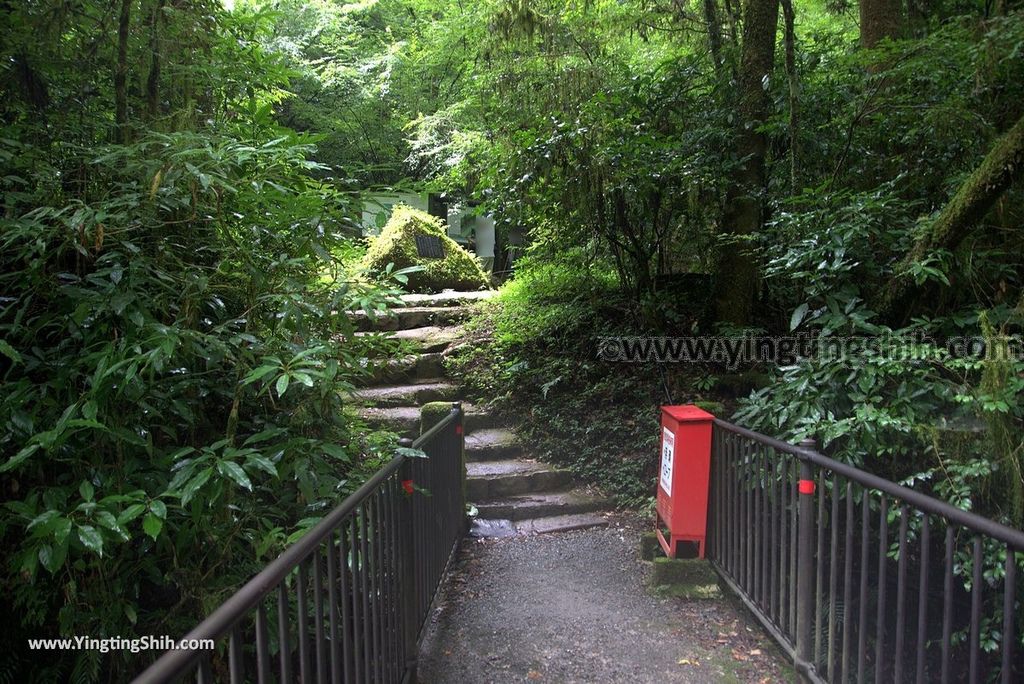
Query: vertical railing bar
x,y
922,598
976,584
847,583
865,550
749,460
358,621
204,674
783,540
776,541
318,615
332,610
236,670
302,617
765,489
833,582
397,654
719,508
901,590
387,596
947,605
794,545
364,590
376,577
748,545
759,527
819,587
283,649
263,675
348,641
1009,615
804,565
883,560
733,509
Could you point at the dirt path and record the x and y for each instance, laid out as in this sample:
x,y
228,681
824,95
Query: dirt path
x,y
574,607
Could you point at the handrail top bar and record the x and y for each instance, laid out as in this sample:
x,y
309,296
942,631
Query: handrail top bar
x,y
218,623
923,502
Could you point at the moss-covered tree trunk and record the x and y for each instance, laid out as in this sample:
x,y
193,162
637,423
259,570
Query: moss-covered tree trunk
x,y
744,201
1002,166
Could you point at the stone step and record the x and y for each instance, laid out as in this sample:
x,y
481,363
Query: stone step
x,y
447,298
492,444
483,527
408,369
414,393
429,338
530,506
561,523
411,317
495,479
406,419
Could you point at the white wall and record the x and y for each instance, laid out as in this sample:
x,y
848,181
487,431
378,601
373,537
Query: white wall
x,y
377,208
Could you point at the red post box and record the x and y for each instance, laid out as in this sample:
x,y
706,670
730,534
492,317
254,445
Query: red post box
x,y
684,477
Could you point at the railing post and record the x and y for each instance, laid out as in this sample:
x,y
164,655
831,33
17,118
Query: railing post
x,y
409,600
805,598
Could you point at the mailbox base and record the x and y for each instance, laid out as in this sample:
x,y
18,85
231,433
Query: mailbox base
x,y
669,542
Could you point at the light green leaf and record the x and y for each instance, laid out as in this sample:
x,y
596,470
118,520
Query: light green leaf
x,y
263,463
193,485
86,490
130,513
159,508
91,538
10,352
282,385
798,316
152,525
235,472
16,460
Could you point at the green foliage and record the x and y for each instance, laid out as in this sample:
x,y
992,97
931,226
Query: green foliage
x,y
534,346
395,247
171,365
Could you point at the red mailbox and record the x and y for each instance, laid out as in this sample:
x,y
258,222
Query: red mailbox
x,y
684,477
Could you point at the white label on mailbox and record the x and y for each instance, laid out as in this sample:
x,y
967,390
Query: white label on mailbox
x,y
668,449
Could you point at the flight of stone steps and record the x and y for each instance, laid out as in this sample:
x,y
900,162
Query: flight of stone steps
x,y
513,494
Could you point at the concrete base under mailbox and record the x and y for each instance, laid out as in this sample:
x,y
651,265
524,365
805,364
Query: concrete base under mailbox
x,y
691,578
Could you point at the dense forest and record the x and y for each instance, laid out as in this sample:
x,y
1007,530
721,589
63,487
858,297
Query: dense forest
x,y
182,183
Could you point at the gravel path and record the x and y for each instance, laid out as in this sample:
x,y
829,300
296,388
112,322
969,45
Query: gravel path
x,y
574,607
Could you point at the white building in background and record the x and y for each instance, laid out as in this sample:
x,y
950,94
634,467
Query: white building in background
x,y
472,231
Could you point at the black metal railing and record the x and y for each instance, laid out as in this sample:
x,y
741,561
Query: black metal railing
x,y
858,578
348,601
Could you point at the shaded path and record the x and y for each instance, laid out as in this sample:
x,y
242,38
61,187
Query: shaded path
x,y
574,607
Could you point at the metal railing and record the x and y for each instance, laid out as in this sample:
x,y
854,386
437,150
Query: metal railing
x,y
807,543
348,601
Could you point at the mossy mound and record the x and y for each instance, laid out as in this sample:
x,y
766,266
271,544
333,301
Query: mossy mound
x,y
396,244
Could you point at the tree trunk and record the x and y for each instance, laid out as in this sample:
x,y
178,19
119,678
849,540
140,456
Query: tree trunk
x,y
737,272
1002,166
879,19
153,80
790,42
714,32
121,73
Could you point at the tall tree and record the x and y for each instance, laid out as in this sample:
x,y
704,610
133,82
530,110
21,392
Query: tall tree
x,y
744,208
879,19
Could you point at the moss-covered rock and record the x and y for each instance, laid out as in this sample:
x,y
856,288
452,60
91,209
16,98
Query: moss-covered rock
x,y
433,413
396,244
